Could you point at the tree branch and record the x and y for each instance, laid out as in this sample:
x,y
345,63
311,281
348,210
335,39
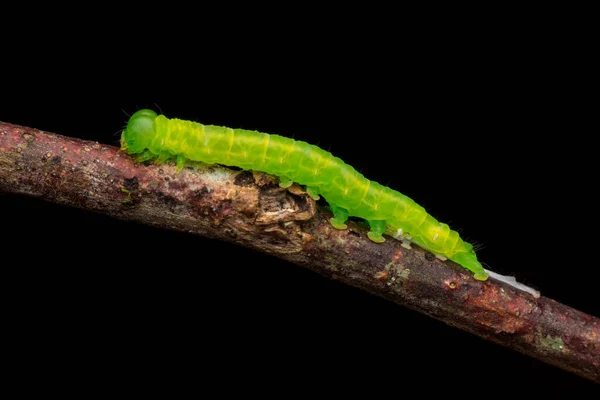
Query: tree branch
x,y
252,210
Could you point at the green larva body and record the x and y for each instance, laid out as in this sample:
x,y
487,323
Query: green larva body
x,y
347,191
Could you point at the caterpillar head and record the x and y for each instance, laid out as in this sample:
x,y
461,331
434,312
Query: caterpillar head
x,y
139,132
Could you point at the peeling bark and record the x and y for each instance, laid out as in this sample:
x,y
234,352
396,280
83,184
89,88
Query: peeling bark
x,y
250,209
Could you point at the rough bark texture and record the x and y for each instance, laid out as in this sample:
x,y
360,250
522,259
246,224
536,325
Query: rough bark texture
x,y
252,210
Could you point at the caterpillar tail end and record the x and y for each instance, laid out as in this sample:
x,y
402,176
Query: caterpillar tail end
x,y
469,261
480,276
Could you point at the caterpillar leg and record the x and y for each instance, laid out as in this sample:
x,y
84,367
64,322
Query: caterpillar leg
x,y
180,162
377,229
197,165
340,216
313,192
406,243
285,182
123,143
145,156
162,157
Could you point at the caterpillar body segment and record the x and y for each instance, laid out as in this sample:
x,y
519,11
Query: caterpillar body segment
x,y
347,191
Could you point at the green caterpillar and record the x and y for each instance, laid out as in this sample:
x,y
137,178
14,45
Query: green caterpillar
x,y
347,191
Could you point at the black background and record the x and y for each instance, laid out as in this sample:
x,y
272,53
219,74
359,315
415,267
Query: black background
x,y
486,133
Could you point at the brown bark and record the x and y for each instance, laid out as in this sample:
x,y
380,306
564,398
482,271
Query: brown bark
x,y
252,210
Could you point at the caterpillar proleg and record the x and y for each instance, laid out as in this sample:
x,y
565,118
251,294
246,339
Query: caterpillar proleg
x,y
347,191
